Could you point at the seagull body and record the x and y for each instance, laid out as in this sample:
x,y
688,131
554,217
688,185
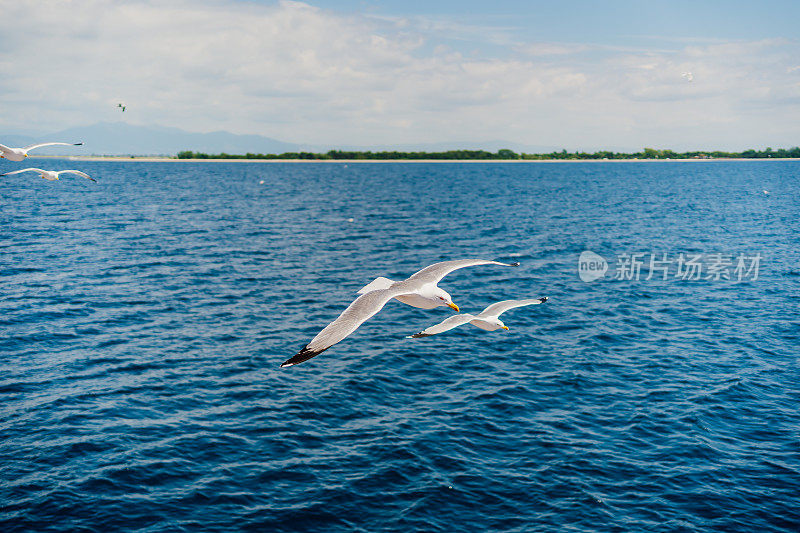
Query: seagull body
x,y
487,320
420,290
18,154
424,299
50,175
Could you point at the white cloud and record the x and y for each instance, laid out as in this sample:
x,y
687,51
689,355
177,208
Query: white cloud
x,y
303,74
552,49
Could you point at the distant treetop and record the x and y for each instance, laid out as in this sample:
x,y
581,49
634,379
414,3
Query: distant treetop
x,y
504,154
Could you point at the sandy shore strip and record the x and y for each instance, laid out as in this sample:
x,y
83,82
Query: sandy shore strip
x,y
162,159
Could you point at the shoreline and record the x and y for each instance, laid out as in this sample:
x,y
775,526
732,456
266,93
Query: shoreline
x,y
161,159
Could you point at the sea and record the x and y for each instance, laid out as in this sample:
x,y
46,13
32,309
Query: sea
x,y
144,318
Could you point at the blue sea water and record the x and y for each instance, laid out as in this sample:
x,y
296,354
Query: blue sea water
x,y
144,318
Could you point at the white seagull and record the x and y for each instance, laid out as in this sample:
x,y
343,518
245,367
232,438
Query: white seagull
x,y
420,290
50,175
18,154
488,319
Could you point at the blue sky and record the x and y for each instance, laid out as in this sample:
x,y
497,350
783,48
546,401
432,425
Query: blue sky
x,y
578,75
612,22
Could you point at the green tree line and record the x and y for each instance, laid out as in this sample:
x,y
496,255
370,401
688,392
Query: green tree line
x,y
504,154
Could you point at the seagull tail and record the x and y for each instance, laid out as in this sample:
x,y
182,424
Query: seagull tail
x,y
303,355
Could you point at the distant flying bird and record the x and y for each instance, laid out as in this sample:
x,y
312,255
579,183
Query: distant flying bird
x,y
487,320
18,154
419,290
50,175
687,76
122,106
766,191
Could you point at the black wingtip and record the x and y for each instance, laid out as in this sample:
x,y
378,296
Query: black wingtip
x,y
303,355
419,335
78,144
515,264
543,299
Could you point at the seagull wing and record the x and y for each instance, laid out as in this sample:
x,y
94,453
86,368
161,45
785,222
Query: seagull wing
x,y
445,325
23,170
78,172
31,147
362,308
4,148
435,272
499,308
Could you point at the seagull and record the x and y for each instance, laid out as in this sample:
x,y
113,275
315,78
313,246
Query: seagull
x,y
487,320
18,154
122,106
688,76
420,290
50,175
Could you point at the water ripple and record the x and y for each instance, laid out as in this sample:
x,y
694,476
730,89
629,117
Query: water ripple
x,y
145,320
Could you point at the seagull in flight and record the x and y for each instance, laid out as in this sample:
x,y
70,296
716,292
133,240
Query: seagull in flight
x,y
18,154
121,106
488,319
50,175
419,290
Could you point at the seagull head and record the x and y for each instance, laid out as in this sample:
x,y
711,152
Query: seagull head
x,y
499,324
445,299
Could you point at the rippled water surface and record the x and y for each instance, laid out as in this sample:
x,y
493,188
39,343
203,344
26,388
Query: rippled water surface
x,y
144,319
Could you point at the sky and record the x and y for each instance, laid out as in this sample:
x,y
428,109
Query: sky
x,y
581,75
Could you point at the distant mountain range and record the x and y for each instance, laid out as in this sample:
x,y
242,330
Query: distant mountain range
x,y
120,138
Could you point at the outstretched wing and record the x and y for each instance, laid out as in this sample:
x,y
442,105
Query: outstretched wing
x,y
78,172
362,308
31,147
23,170
435,272
499,308
445,325
4,148
376,285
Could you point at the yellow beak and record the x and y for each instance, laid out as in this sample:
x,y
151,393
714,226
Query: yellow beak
x,y
504,327
453,306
